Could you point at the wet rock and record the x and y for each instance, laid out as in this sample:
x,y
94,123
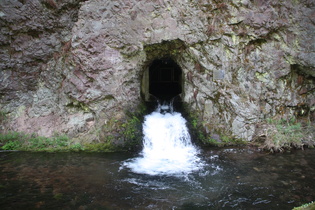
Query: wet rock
x,y
64,63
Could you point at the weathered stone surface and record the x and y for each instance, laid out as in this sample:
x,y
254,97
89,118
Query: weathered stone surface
x,y
78,68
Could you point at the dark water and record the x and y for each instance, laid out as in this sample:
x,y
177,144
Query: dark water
x,y
233,179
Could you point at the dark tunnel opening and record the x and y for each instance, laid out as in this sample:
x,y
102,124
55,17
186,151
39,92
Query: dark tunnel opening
x,y
165,79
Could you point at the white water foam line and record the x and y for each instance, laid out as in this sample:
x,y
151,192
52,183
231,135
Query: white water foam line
x,y
167,147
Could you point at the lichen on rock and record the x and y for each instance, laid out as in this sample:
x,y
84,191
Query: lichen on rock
x,y
77,67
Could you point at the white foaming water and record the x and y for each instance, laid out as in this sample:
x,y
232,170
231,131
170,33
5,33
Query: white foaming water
x,y
167,147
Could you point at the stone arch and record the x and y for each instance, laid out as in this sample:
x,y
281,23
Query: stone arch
x,y
162,79
162,76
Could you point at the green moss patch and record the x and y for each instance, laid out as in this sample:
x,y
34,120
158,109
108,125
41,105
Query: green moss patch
x,y
33,142
101,147
284,134
307,206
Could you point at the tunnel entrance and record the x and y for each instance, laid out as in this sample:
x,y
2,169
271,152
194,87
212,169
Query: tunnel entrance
x,y
165,79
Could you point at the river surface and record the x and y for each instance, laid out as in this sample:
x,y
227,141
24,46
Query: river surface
x,y
232,178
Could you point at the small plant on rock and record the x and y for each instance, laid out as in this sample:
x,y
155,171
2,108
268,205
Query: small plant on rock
x,y
12,145
283,134
307,206
33,142
76,147
3,116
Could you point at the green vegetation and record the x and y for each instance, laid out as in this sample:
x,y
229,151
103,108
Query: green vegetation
x,y
229,141
58,196
308,206
283,134
198,132
120,134
3,116
12,145
275,135
58,143
211,142
195,128
223,140
100,147
26,142
116,135
76,147
78,105
130,129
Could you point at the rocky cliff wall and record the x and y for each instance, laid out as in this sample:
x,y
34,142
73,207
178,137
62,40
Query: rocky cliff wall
x,y
78,68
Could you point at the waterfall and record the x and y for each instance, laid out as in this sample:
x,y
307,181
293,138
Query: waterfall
x,y
167,147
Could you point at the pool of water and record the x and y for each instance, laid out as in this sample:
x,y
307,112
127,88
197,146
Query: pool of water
x,y
232,178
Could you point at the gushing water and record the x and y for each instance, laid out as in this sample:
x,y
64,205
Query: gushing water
x,y
167,147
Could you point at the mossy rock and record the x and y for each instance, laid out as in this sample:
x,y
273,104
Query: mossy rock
x,y
100,147
308,206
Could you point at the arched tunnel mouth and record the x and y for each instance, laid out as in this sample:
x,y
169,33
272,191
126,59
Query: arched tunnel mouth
x,y
165,79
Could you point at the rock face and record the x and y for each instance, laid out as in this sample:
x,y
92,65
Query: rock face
x,y
78,68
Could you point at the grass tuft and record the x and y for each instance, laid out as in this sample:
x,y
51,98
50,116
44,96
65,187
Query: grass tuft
x,y
27,142
281,135
307,206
